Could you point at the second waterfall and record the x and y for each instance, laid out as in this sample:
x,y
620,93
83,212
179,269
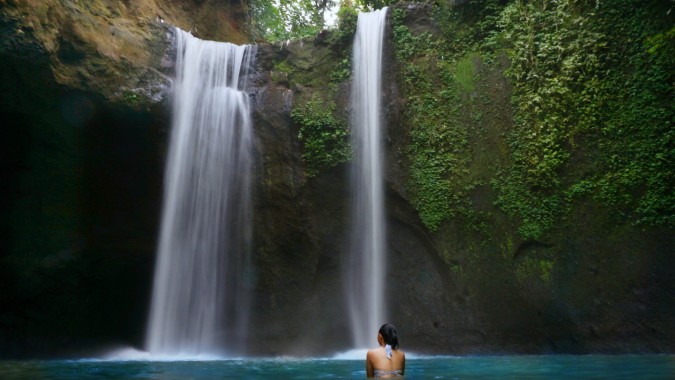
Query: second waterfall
x,y
365,272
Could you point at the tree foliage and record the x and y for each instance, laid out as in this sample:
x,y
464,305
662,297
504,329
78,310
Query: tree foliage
x,y
274,20
373,4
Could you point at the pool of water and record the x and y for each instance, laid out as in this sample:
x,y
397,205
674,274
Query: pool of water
x,y
471,367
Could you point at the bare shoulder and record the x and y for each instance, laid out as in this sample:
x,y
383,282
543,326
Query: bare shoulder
x,y
374,354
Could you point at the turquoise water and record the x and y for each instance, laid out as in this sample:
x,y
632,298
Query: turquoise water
x,y
491,367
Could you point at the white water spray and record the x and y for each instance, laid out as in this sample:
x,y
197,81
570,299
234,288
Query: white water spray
x,y
200,295
367,263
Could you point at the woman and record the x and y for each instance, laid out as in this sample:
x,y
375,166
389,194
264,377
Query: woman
x,y
388,360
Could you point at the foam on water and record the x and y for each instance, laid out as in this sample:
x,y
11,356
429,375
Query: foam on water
x,y
355,354
133,354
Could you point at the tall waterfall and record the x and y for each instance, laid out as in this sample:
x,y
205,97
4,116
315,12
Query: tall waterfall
x,y
367,264
200,298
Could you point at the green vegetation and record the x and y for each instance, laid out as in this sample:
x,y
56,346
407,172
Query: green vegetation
x,y
432,155
591,89
373,4
465,73
432,81
131,98
592,92
585,82
324,131
342,71
324,136
530,268
278,20
636,140
341,39
348,17
287,19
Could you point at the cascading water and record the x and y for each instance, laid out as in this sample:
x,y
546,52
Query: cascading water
x,y
200,297
367,264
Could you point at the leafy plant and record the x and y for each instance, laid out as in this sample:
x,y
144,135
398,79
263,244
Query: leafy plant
x,y
600,75
275,20
437,146
348,17
325,137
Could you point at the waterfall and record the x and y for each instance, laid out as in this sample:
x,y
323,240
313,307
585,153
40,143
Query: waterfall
x,y
200,294
367,265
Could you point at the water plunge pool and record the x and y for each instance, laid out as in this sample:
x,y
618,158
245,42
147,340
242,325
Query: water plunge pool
x,y
417,367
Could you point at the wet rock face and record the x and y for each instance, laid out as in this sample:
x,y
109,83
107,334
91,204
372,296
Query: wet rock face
x,y
83,99
81,192
83,96
459,289
302,229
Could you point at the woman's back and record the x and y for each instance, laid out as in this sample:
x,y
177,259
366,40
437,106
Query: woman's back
x,y
379,365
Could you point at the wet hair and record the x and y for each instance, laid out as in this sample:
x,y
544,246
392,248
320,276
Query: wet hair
x,y
389,334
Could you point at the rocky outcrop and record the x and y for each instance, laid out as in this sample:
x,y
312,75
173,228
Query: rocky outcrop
x,y
116,49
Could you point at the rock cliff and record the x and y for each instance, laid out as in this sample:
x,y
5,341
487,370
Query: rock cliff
x,y
85,98
84,103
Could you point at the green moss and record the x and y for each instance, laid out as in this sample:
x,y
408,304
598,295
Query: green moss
x,y
325,137
591,92
529,269
280,72
458,271
573,92
342,71
434,81
465,73
282,66
507,247
545,267
131,98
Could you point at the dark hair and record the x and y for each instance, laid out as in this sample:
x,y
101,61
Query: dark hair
x,y
389,334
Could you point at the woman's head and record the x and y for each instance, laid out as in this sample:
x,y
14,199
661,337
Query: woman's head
x,y
389,335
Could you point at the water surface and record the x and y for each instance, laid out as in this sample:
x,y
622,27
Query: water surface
x,y
491,367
